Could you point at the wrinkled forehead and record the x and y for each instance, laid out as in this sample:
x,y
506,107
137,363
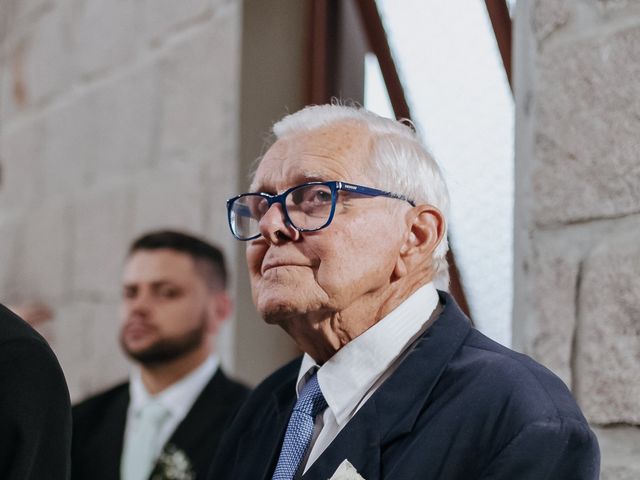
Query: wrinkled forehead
x,y
338,152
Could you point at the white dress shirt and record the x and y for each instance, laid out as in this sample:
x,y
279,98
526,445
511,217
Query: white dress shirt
x,y
355,372
177,399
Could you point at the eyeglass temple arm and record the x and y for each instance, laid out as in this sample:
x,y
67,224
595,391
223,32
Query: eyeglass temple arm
x,y
372,192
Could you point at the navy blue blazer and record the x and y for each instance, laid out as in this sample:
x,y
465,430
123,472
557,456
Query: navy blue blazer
x,y
460,406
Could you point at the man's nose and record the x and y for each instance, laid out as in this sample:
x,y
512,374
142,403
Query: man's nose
x,y
140,304
274,226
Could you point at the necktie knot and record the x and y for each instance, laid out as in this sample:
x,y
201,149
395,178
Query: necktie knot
x,y
153,413
311,401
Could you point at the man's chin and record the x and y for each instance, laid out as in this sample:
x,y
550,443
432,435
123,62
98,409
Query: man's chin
x,y
282,313
160,353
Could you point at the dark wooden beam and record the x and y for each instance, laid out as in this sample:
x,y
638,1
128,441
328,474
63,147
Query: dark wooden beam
x,y
322,51
377,37
501,22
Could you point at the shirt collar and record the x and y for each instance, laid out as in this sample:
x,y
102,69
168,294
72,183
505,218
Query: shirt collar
x,y
177,398
347,376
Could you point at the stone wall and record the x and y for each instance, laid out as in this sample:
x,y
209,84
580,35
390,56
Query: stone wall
x,y
577,249
115,117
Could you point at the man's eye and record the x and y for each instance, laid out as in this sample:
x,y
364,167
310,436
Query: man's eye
x,y
168,292
314,196
128,293
322,196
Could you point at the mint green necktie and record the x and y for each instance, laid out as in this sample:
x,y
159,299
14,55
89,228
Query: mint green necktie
x,y
140,452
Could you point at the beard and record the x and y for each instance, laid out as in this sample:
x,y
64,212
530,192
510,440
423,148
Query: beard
x,y
165,350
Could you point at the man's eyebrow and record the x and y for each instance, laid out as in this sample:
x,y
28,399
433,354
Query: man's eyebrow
x,y
299,179
155,283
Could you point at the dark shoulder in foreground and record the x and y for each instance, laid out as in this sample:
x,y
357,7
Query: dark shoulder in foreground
x,y
35,411
13,328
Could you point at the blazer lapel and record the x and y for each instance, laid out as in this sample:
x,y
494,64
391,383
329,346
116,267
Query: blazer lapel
x,y
108,441
393,409
208,416
198,421
260,446
362,431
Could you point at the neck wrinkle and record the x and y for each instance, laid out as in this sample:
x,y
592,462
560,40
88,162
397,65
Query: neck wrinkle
x,y
323,336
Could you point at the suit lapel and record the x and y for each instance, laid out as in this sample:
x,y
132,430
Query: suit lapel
x,y
208,414
362,431
393,409
108,441
260,446
198,421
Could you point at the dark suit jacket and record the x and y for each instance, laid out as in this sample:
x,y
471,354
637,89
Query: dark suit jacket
x,y
35,412
459,406
99,424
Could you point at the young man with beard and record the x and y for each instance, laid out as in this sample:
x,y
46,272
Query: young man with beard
x,y
168,419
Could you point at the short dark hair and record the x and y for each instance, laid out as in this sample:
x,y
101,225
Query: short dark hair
x,y
208,258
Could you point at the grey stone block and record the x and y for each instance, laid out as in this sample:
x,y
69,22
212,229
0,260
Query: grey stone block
x,y
620,450
549,328
12,235
38,65
162,17
108,364
122,122
607,359
100,239
44,253
68,147
200,74
586,149
72,341
22,180
86,342
104,35
168,198
607,6
548,16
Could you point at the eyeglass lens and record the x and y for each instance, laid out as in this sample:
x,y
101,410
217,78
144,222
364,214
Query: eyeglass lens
x,y
308,208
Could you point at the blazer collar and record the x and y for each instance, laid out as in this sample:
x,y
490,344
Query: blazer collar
x,y
394,408
197,423
260,445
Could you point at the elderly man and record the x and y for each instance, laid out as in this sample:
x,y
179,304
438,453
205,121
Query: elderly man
x,y
346,232
166,423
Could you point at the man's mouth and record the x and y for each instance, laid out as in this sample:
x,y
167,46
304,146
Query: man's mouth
x,y
271,266
135,330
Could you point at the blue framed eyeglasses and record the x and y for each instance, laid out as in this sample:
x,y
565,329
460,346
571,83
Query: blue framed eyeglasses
x,y
307,208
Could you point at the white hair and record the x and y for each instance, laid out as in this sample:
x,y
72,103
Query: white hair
x,y
401,163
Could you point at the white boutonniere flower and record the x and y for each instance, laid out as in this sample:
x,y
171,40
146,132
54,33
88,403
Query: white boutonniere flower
x,y
173,464
346,471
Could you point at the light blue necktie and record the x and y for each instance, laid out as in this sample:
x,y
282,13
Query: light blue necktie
x,y
139,455
300,429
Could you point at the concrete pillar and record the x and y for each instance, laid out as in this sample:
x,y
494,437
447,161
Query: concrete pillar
x,y
577,215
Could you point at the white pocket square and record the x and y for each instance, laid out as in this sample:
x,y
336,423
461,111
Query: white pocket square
x,y
346,471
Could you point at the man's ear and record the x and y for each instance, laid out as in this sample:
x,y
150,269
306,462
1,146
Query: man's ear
x,y
219,308
426,230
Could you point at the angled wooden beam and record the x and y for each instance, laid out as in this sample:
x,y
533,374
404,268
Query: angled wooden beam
x,y
501,23
379,44
322,51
